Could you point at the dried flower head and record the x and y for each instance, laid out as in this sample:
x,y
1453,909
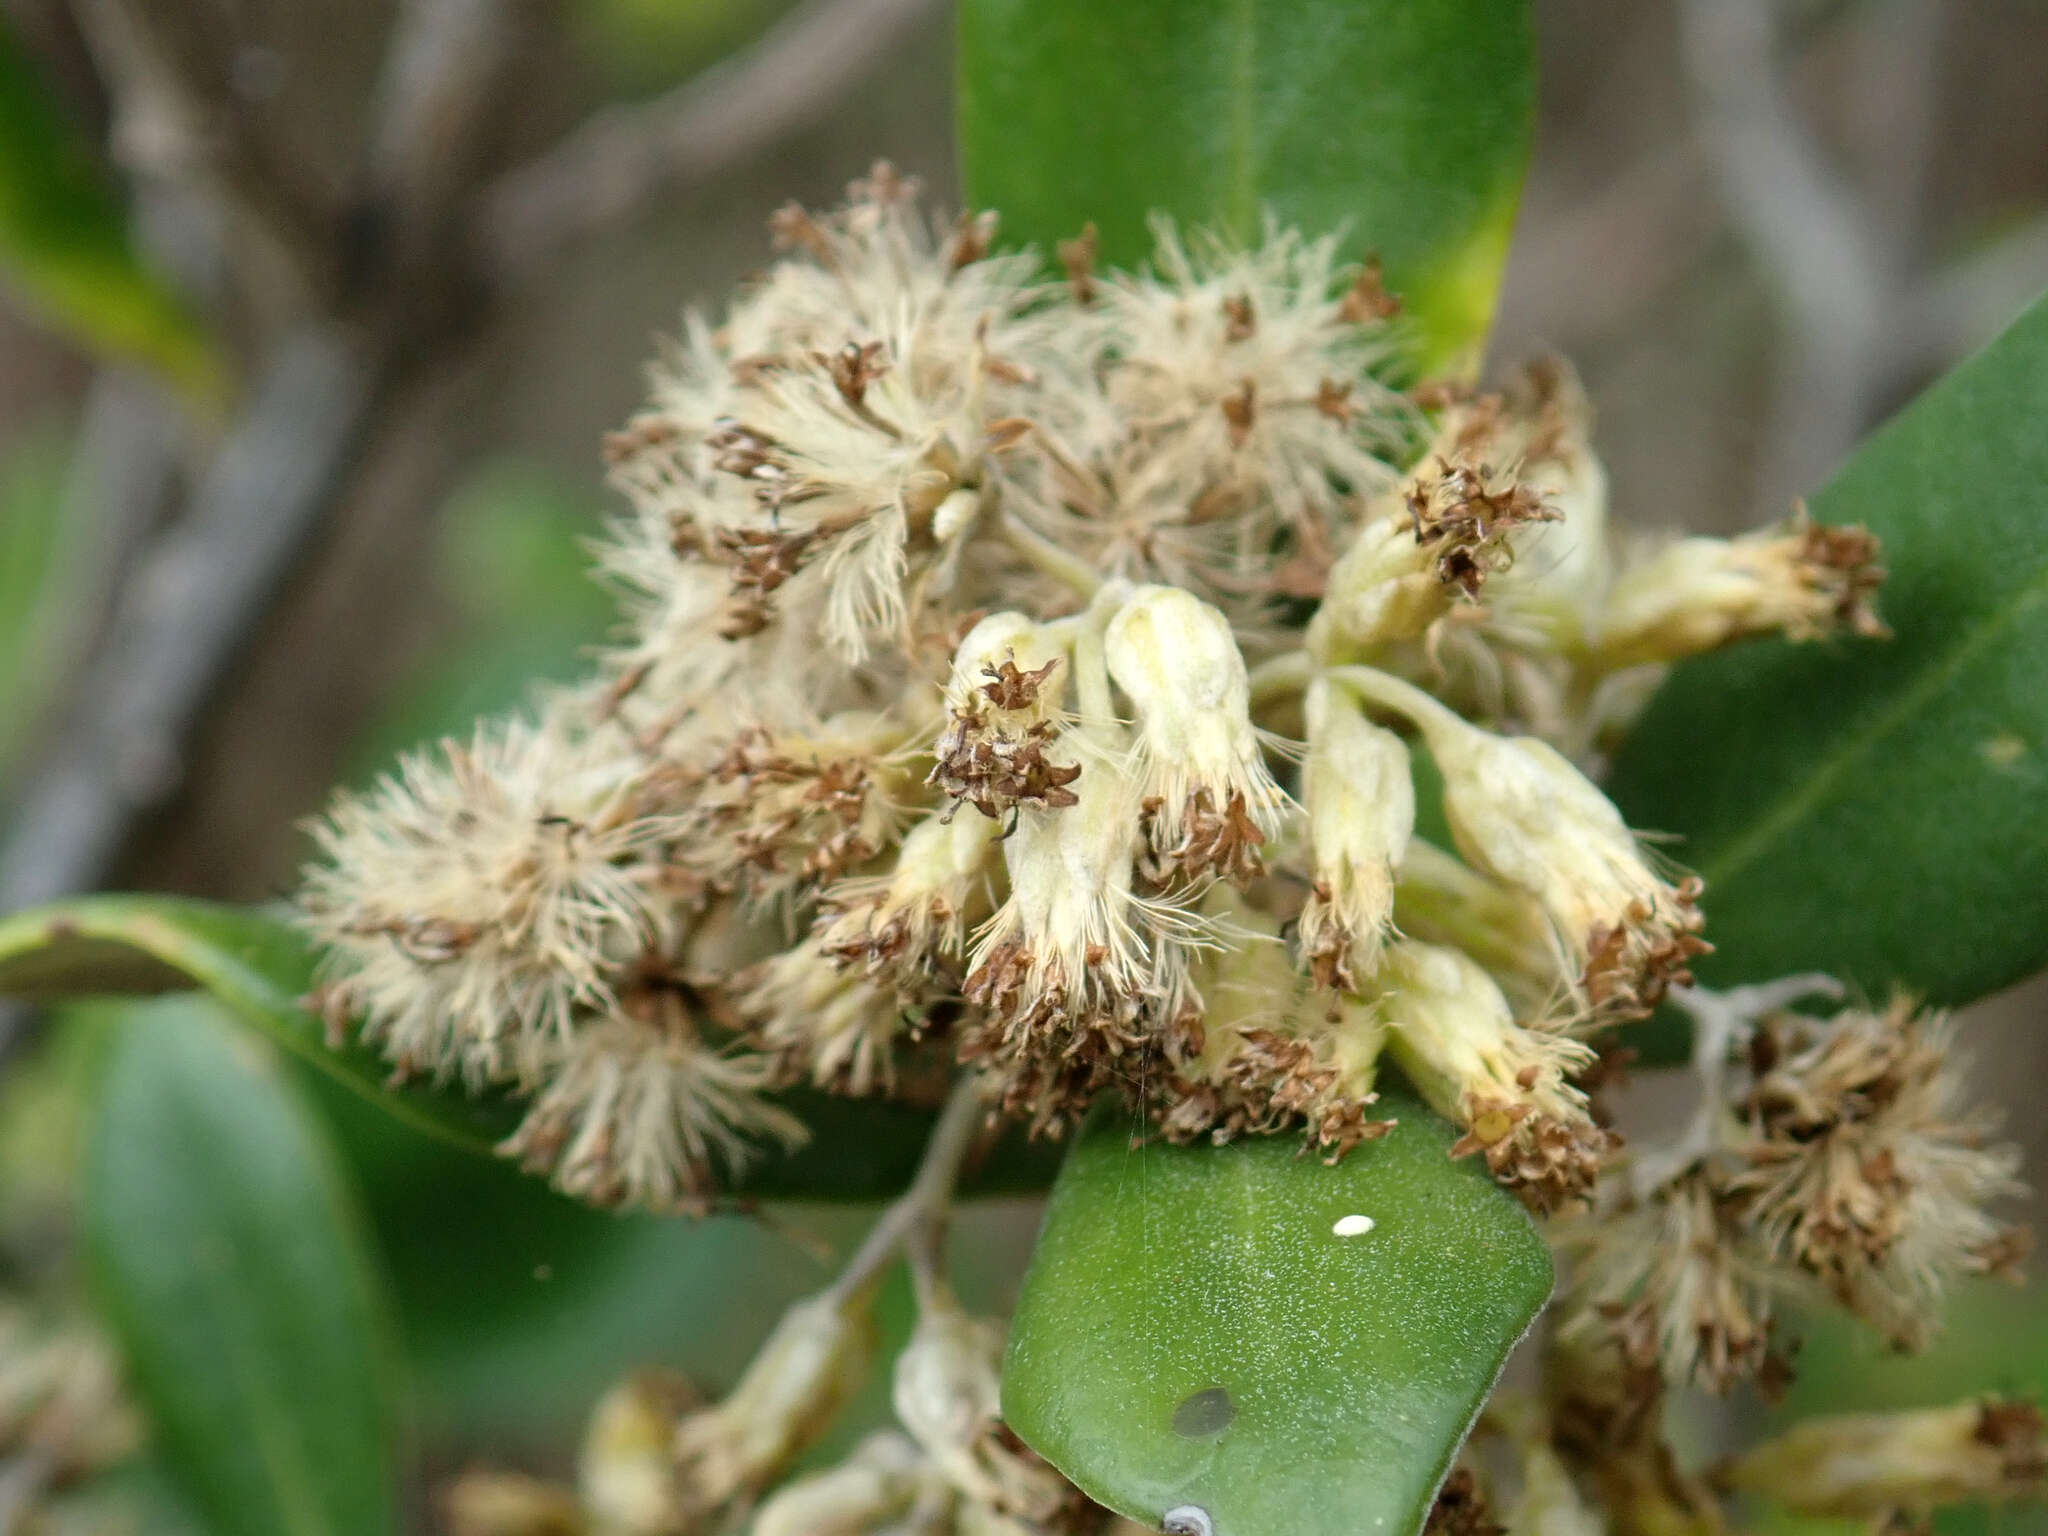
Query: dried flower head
x,y
1508,1086
789,1393
1802,579
471,904
1865,1170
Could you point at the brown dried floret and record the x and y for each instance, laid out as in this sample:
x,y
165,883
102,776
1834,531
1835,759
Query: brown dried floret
x,y
1466,512
993,755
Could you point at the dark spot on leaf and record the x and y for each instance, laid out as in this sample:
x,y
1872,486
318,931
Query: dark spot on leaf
x,y
1204,1413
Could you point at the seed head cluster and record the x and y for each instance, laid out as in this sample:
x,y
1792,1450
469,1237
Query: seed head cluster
x,y
1031,675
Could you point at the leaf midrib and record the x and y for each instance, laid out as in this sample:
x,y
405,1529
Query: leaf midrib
x,y
1933,679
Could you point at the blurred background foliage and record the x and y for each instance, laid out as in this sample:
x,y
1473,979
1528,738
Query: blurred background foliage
x,y
143,299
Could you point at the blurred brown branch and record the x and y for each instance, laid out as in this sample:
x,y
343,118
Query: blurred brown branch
x,y
622,159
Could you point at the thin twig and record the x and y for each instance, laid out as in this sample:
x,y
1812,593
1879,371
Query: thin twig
x,y
179,120
922,1208
623,158
439,94
1822,252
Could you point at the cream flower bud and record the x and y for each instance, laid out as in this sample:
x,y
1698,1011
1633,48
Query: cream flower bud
x,y
1558,575
1004,699
1522,813
1861,1465
1440,899
899,926
626,1475
947,1394
1361,813
1203,781
880,1481
1066,944
787,1396
1261,1057
483,1503
1451,526
1380,590
1802,578
1504,1084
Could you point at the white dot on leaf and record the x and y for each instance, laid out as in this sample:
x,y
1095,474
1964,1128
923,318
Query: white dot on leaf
x,y
1353,1226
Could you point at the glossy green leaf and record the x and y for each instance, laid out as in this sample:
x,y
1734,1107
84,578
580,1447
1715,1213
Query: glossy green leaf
x,y
1405,125
64,239
1880,809
228,1258
1195,1330
260,968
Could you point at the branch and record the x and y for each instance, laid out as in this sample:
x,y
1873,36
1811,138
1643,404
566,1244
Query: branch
x,y
440,92
918,1215
624,158
196,595
178,118
1813,241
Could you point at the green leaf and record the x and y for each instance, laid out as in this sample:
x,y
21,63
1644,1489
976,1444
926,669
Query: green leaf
x,y
1405,124
230,1262
1194,1332
255,965
1880,809
260,968
64,239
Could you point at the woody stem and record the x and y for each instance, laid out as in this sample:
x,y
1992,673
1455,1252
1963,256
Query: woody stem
x,y
919,1213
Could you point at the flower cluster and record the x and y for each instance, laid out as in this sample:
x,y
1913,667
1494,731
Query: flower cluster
x,y
1829,1158
1032,675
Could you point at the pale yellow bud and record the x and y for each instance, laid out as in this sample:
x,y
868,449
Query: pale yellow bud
x,y
1866,1464
1361,813
1455,1037
1381,589
880,1481
1012,637
510,1504
787,1396
1698,594
1522,813
626,1475
1440,899
1066,943
1558,575
948,1395
1203,781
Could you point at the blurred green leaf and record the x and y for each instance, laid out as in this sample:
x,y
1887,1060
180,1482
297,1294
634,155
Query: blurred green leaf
x,y
229,1260
1407,126
64,239
1194,1332
260,968
254,964
31,503
1880,810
